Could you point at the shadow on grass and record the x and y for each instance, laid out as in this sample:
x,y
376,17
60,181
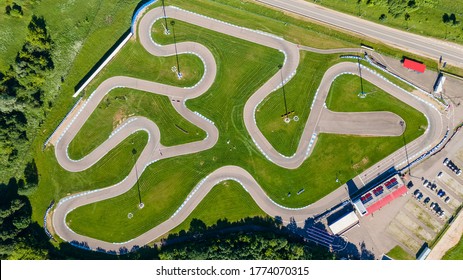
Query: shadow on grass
x,y
234,240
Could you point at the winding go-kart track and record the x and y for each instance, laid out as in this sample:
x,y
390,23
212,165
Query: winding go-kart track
x,y
320,120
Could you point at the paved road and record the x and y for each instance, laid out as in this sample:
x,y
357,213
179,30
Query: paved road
x,y
430,47
318,122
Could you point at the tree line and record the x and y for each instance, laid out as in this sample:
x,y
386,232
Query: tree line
x,y
23,103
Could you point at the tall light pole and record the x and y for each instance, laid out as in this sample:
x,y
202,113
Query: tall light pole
x,y
405,145
165,17
179,74
283,88
140,205
360,74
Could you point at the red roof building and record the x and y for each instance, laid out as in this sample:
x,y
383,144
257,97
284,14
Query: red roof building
x,y
413,65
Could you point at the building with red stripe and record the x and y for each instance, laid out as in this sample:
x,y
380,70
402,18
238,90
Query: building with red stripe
x,y
413,65
380,195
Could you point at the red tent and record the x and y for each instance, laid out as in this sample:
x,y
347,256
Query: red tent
x,y
410,64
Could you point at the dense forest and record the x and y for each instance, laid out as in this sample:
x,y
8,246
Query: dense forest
x,y
247,246
23,103
19,237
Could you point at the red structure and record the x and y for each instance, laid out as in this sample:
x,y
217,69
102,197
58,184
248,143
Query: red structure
x,y
385,200
413,65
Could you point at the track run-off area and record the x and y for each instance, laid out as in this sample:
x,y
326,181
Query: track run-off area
x,y
320,120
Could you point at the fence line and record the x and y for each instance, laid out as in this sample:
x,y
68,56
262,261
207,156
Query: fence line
x,y
111,56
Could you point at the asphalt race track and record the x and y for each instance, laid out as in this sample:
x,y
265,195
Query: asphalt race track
x,y
320,120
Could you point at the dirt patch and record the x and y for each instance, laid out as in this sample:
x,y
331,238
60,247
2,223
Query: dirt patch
x,y
413,227
119,117
424,216
361,163
453,184
49,224
460,154
395,229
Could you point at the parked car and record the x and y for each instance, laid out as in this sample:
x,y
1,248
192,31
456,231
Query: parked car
x,y
440,193
416,192
426,200
425,182
446,160
447,199
439,175
419,196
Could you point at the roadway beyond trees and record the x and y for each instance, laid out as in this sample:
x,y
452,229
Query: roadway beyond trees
x,y
320,120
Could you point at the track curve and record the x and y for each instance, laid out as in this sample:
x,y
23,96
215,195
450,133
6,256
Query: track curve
x,y
151,153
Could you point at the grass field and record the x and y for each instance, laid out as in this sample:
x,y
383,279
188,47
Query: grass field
x,y
397,253
299,96
425,19
122,103
237,80
343,97
63,183
235,203
134,61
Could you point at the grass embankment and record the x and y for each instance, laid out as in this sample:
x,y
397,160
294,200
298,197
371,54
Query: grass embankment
x,y
237,79
426,18
397,253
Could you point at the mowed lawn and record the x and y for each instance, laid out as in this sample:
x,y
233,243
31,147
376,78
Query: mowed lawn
x,y
121,104
299,92
165,184
343,97
227,200
398,253
134,61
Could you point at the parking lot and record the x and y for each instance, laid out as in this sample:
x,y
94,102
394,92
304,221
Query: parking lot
x,y
420,215
434,199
